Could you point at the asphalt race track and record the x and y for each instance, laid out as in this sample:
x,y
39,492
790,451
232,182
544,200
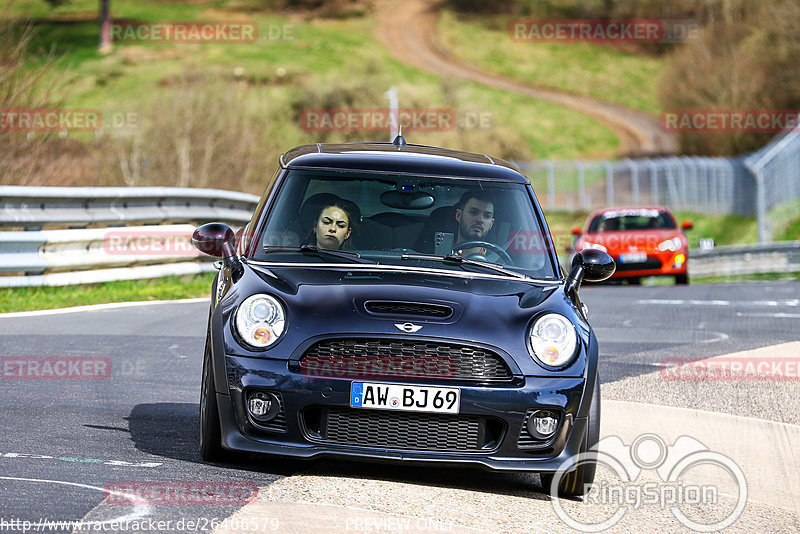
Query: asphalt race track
x,y
63,442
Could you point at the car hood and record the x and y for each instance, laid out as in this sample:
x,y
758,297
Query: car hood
x,y
336,302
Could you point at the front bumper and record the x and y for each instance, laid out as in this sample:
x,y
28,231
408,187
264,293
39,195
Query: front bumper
x,y
506,406
660,264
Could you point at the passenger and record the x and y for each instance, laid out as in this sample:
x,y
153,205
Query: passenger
x,y
609,225
333,226
475,217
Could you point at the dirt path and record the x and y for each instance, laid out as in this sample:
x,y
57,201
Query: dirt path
x,y
408,28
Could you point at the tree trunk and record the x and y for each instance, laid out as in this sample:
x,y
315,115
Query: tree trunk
x,y
105,27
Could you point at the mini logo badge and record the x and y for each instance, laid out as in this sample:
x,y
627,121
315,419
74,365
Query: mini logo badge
x,y
408,327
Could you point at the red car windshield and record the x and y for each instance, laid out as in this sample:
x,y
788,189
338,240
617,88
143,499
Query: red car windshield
x,y
626,220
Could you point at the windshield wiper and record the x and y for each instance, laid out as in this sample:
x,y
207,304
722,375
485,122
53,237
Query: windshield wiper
x,y
461,260
320,252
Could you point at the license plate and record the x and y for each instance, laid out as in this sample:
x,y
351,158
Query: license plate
x,y
633,257
404,398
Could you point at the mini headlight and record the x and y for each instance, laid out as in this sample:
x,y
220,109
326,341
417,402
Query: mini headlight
x,y
553,340
260,320
670,244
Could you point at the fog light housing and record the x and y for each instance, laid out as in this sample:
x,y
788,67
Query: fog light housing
x,y
542,424
262,406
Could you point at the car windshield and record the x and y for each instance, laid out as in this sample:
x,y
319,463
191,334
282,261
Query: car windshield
x,y
633,219
418,222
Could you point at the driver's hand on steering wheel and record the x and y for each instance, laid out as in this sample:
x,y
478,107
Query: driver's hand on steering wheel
x,y
465,252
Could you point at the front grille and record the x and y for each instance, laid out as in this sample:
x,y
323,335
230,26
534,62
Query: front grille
x,y
402,430
651,263
388,307
387,358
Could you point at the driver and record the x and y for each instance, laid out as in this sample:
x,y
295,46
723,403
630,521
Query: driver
x,y
475,217
333,226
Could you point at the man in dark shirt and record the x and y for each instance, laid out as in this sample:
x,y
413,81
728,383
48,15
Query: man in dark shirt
x,y
475,217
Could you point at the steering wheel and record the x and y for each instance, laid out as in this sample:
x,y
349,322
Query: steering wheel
x,y
485,244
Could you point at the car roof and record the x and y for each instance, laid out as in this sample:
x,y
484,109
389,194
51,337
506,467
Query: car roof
x,y
406,159
626,208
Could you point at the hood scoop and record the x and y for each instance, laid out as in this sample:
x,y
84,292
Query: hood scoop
x,y
415,309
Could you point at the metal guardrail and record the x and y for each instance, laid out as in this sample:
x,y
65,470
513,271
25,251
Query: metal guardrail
x,y
123,248
735,260
113,233
81,207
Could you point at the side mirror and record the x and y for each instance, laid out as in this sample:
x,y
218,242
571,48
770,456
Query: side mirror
x,y
576,231
687,225
590,264
218,240
215,239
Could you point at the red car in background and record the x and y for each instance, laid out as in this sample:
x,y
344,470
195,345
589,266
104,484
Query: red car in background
x,y
643,240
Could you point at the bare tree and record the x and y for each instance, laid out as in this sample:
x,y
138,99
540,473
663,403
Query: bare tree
x,y
105,26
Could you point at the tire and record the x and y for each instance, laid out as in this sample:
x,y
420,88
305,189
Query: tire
x,y
210,432
682,279
576,483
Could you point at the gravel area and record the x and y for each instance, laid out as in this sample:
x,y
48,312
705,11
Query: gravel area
x,y
773,400
454,499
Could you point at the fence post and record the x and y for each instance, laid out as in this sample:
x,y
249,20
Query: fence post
x,y
551,184
673,190
761,204
581,183
653,181
609,183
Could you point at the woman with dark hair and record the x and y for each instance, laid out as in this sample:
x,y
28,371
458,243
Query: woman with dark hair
x,y
333,226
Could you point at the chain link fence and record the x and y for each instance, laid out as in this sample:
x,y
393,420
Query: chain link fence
x,y
747,186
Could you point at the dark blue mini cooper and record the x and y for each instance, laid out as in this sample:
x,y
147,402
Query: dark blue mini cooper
x,y
397,302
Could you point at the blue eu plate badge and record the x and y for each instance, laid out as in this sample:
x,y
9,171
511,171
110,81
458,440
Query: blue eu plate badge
x,y
356,394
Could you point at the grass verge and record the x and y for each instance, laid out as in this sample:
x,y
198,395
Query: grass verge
x,y
221,113
600,72
791,277
47,298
